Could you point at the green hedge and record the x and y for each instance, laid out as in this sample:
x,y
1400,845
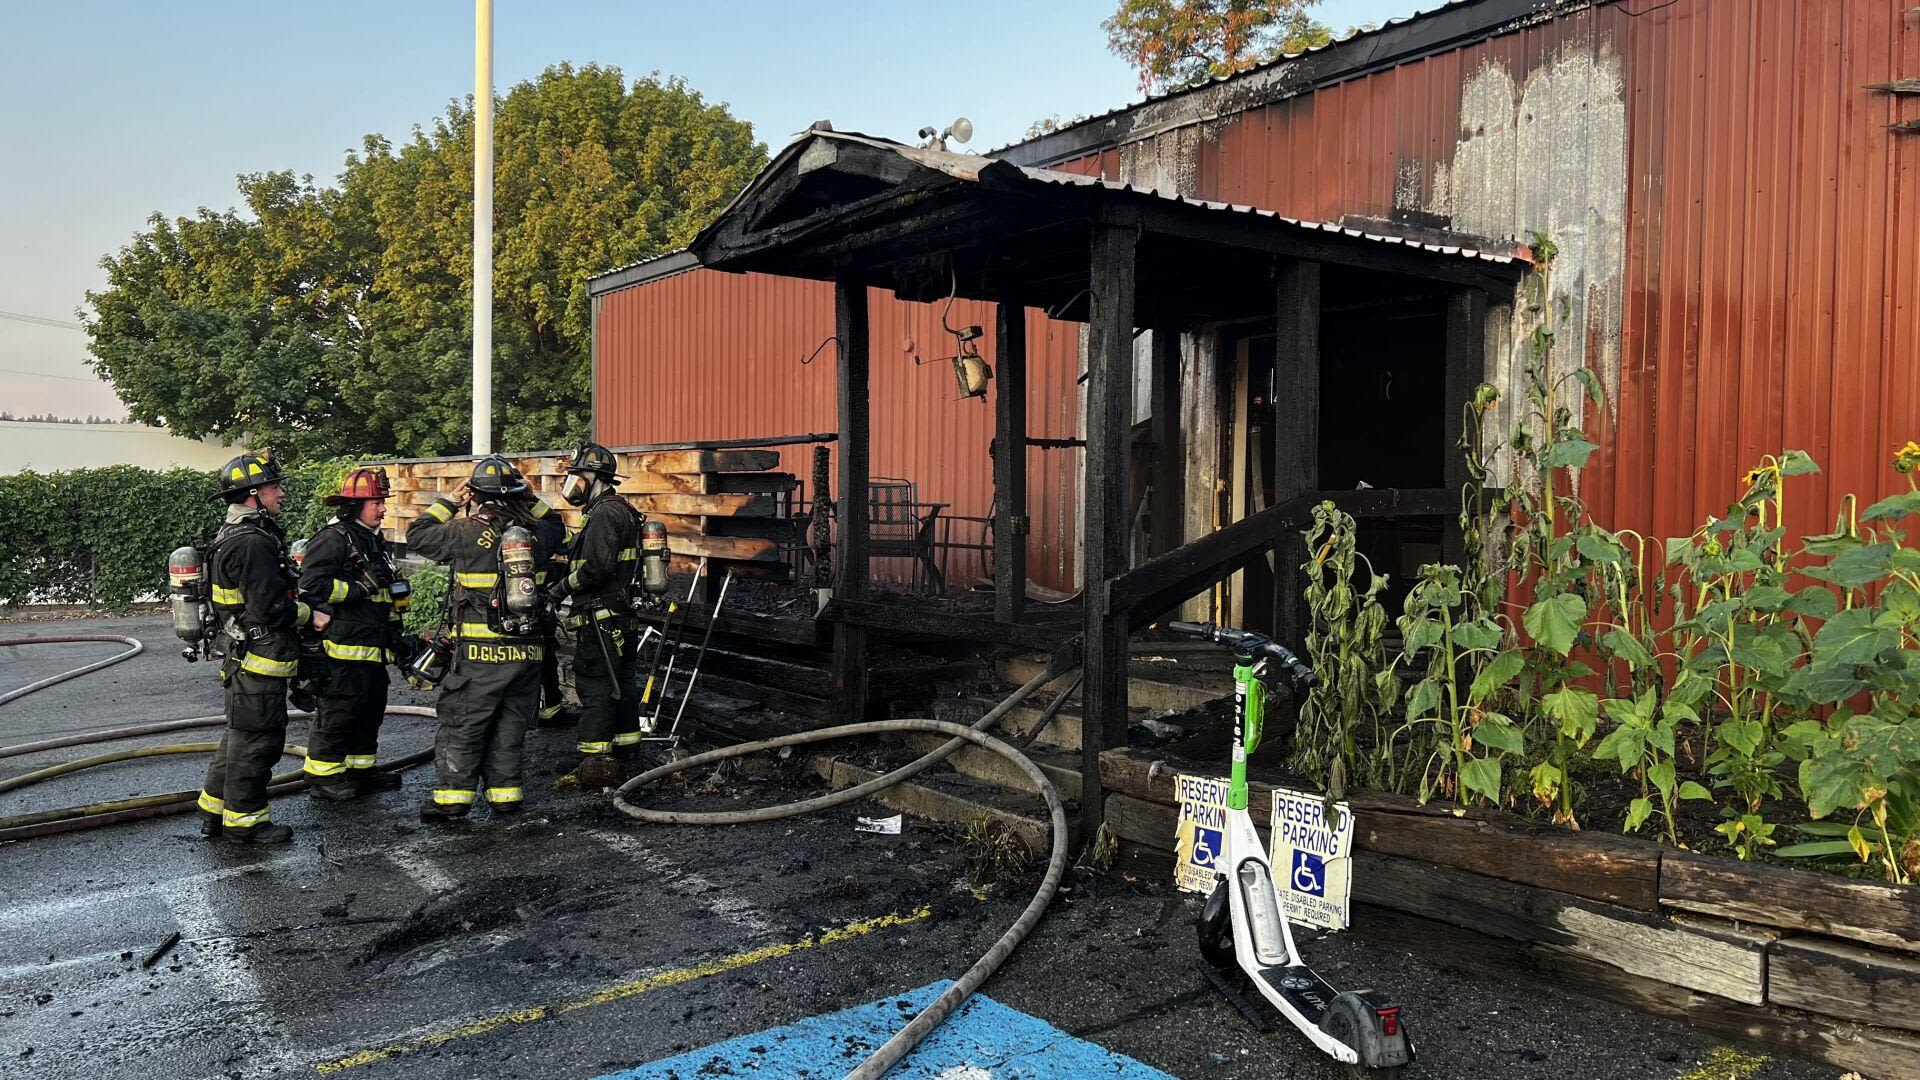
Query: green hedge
x,y
101,536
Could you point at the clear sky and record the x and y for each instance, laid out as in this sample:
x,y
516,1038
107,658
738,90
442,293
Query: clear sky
x,y
110,111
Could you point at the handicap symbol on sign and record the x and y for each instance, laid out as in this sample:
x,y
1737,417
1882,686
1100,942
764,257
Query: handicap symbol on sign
x,y
1206,845
1309,874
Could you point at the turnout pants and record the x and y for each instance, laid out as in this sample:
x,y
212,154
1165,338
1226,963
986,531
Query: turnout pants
x,y
346,727
236,785
603,660
486,707
551,698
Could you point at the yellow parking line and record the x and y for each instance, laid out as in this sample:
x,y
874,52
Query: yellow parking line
x,y
624,990
1725,1063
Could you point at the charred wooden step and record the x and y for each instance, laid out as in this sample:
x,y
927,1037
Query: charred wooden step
x,y
951,798
1061,766
1149,685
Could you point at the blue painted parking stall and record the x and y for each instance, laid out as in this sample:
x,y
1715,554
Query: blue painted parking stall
x,y
982,1040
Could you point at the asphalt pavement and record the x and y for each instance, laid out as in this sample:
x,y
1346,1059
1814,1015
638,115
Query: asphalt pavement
x,y
574,942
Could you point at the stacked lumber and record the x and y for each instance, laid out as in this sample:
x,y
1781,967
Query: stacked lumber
x,y
726,506
722,505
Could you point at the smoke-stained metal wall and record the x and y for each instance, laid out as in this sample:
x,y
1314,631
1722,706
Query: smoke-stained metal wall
x,y
711,355
1739,226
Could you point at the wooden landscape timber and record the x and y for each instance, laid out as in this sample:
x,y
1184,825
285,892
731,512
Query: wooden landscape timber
x,y
1886,916
1742,949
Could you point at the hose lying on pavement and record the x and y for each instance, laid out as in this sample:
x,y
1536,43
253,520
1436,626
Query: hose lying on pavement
x,y
93,815
137,648
903,1042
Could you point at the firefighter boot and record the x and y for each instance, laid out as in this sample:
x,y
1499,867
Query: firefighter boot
x,y
375,780
431,811
209,825
332,789
264,833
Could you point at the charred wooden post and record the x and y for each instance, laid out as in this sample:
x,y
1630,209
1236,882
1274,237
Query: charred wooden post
x,y
822,520
1104,554
1010,523
850,572
1466,367
1296,433
1169,462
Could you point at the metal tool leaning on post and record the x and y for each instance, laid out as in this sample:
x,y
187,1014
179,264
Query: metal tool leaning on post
x,y
348,572
600,572
491,691
254,630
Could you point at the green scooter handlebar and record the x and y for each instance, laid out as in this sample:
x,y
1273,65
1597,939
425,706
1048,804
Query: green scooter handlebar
x,y
1251,643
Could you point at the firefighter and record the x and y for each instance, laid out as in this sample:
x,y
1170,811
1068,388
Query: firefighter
x,y
260,620
599,576
492,690
348,573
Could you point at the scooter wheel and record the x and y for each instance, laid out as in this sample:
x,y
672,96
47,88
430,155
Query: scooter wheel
x,y
1216,928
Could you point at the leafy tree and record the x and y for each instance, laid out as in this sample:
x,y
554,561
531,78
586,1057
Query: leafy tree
x,y
333,320
1176,42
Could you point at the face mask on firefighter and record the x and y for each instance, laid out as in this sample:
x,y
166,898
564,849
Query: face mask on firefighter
x,y
577,488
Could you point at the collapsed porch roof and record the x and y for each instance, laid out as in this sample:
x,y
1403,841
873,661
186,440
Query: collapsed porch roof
x,y
927,224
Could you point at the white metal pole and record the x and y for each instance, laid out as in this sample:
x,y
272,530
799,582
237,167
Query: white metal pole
x,y
483,226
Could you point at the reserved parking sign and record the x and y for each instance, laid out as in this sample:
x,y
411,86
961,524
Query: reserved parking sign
x,y
1199,831
1313,858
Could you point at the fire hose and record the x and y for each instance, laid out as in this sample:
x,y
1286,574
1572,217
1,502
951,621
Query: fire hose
x,y
923,1023
76,672
93,815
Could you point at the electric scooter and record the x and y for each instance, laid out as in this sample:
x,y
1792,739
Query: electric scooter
x,y
1243,925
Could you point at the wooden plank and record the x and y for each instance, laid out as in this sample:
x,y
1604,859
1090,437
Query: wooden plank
x,y
1200,413
1466,367
1158,585
665,483
1887,916
700,461
745,549
1875,1052
1848,981
1169,459
1296,436
1709,955
1237,498
899,618
1612,869
1143,822
755,483
1109,420
712,505
1010,463
851,570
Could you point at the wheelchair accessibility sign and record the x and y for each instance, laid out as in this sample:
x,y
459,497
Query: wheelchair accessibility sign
x,y
1199,831
1313,858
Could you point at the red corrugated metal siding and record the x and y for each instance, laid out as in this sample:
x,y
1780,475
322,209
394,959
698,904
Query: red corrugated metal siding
x,y
709,355
1772,253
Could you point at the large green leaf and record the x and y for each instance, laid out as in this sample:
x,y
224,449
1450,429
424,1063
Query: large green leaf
x,y
1815,849
1496,732
1814,602
1637,813
1481,776
1893,507
1797,463
1854,637
1743,736
1576,709
1569,454
1858,566
1498,673
1555,621
1481,634
1423,699
1627,648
